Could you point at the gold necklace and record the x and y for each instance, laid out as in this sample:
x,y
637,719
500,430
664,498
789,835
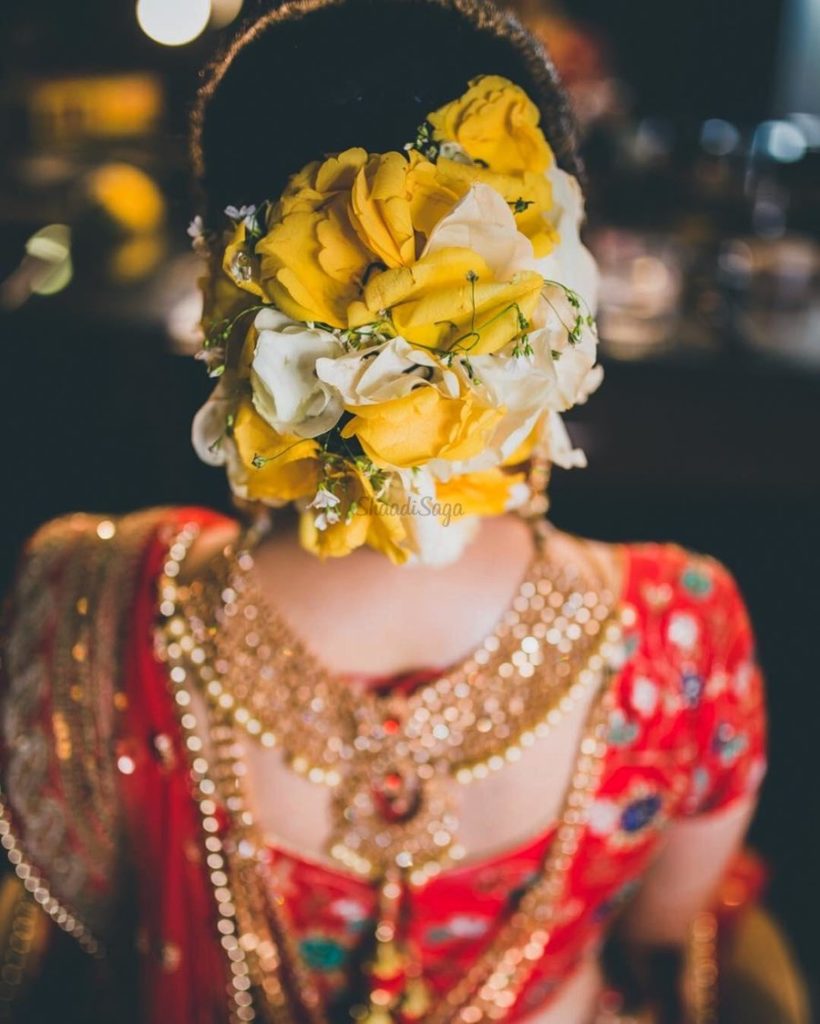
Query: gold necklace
x,y
268,980
390,760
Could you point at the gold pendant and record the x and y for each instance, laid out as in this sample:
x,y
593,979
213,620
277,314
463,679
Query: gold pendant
x,y
389,818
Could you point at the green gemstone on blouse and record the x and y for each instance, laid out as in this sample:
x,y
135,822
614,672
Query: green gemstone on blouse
x,y
698,583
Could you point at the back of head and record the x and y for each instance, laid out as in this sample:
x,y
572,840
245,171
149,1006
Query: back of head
x,y
395,329
319,76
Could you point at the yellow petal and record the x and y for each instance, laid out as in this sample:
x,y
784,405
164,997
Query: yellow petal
x,y
312,265
497,123
485,493
280,468
422,425
363,520
449,300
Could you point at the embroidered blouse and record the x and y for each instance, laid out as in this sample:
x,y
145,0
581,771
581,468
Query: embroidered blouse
x,y
94,773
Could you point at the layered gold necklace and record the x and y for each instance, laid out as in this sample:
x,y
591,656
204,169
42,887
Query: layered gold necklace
x,y
392,763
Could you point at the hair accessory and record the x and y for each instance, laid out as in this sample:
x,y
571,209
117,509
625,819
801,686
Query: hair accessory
x,y
396,336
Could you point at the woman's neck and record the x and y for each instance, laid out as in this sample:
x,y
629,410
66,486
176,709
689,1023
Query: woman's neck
x,y
363,615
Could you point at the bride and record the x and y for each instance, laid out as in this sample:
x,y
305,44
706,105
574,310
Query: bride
x,y
398,750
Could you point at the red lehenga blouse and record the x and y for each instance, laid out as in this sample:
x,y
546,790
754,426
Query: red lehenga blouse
x,y
95,775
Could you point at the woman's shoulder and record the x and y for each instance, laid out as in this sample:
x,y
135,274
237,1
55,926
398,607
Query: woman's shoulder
x,y
80,549
690,592
653,573
67,619
76,530
685,601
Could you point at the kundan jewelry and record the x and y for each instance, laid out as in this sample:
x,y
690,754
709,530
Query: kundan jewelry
x,y
391,760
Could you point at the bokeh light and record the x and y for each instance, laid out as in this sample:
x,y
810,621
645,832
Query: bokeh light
x,y
173,22
223,12
781,141
128,196
719,137
50,247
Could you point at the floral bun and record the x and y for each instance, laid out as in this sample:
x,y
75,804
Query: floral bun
x,y
394,333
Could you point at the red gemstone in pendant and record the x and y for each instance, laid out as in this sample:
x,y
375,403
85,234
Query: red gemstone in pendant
x,y
397,797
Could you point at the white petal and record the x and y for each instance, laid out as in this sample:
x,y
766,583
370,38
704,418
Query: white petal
x,y
483,221
561,451
570,262
286,391
434,539
378,374
208,428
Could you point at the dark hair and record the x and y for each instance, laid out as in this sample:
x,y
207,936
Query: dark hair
x,y
318,76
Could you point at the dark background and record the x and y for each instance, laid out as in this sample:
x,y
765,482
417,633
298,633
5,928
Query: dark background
x,y
711,443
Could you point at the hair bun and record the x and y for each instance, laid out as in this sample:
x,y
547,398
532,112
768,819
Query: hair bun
x,y
319,76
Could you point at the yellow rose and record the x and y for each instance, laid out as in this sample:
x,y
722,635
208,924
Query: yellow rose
x,y
363,519
312,263
450,300
528,194
311,187
497,123
279,468
422,425
483,493
394,199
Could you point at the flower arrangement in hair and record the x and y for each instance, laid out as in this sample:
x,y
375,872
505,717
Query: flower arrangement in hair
x,y
395,333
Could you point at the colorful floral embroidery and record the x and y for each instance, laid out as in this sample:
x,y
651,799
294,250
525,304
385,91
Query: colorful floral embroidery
x,y
349,910
625,820
657,597
680,760
603,817
622,895
641,813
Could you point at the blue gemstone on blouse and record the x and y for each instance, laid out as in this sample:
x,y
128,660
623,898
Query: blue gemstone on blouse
x,y
692,689
640,813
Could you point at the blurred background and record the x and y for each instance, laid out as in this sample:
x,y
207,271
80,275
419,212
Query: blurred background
x,y
701,134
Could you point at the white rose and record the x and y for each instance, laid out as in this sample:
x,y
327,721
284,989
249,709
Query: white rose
x,y
576,374
287,394
386,371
